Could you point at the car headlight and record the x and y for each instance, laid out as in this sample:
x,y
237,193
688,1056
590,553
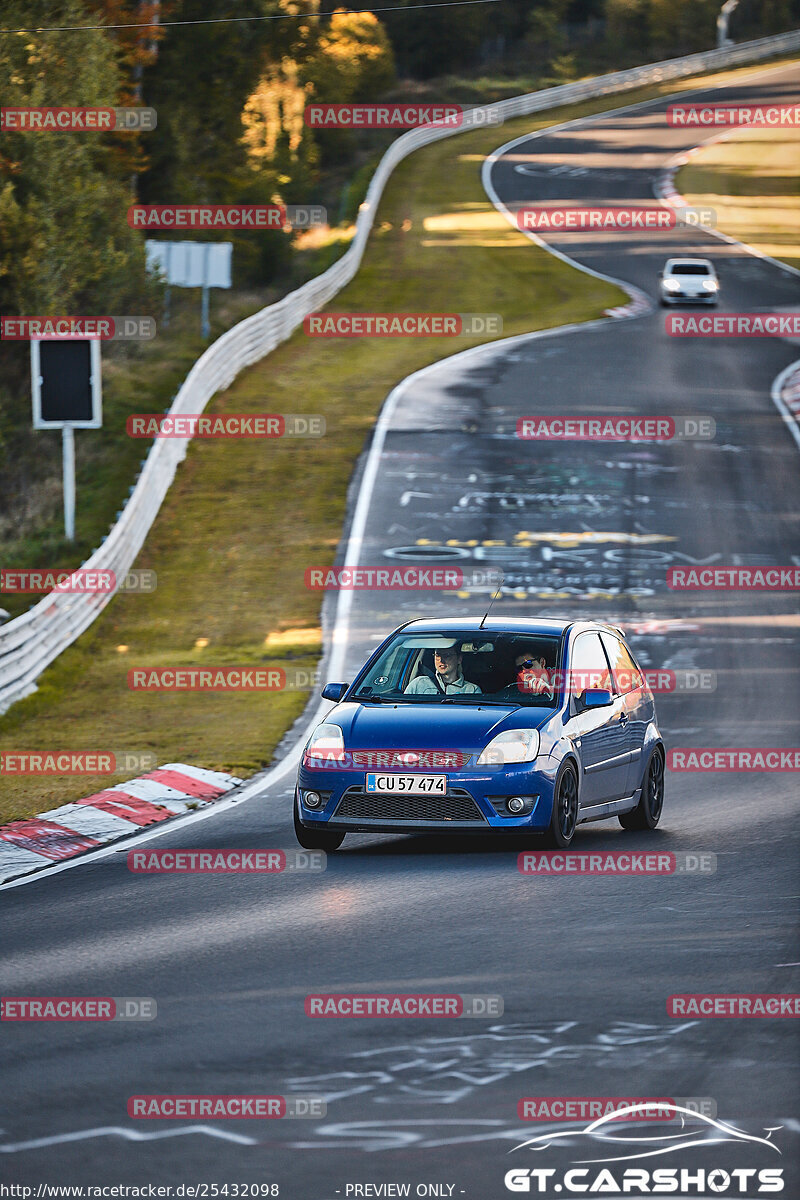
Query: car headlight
x,y
710,285
671,285
513,746
327,744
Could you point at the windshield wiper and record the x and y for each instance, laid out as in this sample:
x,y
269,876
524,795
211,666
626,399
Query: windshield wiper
x,y
474,698
373,699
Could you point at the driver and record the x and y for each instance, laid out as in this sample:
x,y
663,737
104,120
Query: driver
x,y
449,679
532,677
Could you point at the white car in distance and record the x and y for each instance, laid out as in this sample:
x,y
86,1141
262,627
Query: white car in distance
x,y
689,281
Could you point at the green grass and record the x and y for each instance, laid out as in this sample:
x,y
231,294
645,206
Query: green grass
x,y
243,520
752,179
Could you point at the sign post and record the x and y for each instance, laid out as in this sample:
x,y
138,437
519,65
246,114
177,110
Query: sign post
x,y
192,264
67,394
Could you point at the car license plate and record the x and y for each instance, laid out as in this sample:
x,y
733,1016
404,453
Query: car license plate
x,y
427,785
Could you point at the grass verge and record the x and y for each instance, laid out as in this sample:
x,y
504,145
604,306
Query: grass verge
x,y
752,179
244,519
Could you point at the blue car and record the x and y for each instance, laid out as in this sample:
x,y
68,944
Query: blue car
x,y
503,726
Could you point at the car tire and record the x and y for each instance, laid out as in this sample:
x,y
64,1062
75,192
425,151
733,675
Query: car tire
x,y
564,818
648,811
312,839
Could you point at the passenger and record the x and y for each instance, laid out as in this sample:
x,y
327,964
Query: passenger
x,y
449,679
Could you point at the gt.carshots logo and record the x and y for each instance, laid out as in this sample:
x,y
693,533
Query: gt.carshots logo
x,y
639,1181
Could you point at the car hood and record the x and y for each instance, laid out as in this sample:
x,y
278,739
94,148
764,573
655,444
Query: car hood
x,y
427,727
690,281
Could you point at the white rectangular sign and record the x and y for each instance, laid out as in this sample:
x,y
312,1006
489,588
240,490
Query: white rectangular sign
x,y
192,264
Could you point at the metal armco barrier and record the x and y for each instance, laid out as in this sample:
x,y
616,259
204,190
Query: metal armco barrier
x,y
29,643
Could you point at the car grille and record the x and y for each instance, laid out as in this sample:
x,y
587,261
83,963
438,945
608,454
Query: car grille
x,y
457,807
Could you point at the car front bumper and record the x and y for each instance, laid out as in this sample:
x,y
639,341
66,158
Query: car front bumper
x,y
475,801
686,298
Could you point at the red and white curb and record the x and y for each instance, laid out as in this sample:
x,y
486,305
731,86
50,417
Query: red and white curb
x,y
790,392
116,812
786,398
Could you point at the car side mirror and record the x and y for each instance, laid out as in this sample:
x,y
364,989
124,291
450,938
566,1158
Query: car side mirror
x,y
334,691
596,698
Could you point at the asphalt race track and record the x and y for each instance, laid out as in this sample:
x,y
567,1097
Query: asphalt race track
x,y
584,964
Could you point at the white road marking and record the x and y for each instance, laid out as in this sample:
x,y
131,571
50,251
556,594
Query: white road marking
x,y
130,1135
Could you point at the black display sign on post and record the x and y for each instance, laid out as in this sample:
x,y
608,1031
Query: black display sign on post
x,y
66,387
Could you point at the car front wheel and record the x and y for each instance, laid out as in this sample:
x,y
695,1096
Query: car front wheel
x,y
565,810
647,813
313,839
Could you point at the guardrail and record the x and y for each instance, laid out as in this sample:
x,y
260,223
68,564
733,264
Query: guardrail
x,y
29,643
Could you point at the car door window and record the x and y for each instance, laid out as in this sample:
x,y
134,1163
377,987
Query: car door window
x,y
589,667
626,675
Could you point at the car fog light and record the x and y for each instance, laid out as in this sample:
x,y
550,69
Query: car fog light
x,y
312,799
515,804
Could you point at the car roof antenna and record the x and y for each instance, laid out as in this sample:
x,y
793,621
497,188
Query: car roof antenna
x,y
494,597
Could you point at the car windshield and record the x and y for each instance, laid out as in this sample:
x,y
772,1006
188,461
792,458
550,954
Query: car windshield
x,y
463,668
690,268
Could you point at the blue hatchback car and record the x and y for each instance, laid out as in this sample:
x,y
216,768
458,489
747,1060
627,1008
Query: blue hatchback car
x,y
503,726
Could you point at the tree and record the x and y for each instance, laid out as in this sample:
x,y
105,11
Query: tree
x,y
199,85
65,246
